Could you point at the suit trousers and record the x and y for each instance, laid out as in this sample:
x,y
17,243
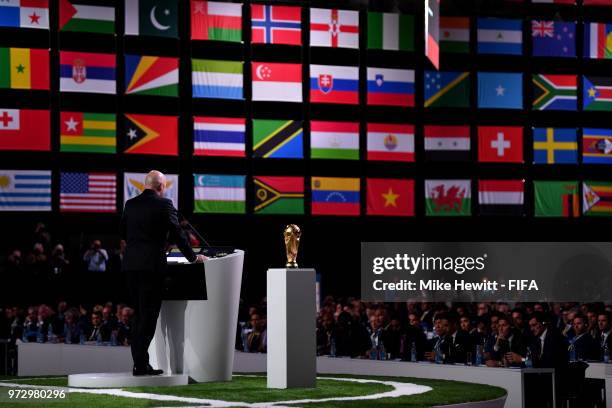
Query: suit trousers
x,y
146,293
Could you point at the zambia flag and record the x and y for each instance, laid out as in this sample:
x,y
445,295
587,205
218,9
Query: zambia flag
x,y
278,139
556,198
279,195
597,198
157,18
447,89
24,68
554,92
88,132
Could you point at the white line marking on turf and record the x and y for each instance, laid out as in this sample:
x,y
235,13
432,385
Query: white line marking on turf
x,y
399,389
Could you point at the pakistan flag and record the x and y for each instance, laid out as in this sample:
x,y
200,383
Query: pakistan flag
x,y
157,18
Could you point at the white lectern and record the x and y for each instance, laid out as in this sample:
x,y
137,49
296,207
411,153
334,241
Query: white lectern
x,y
292,349
197,337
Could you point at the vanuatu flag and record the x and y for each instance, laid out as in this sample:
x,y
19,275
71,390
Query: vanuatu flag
x,y
151,75
335,196
278,139
556,198
83,17
151,134
597,198
390,197
279,195
24,68
88,132
447,89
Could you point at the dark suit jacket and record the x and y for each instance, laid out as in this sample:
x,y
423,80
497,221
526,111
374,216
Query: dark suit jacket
x,y
554,354
148,222
586,348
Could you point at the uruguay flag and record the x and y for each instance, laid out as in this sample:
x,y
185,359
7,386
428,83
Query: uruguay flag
x,y
334,84
390,87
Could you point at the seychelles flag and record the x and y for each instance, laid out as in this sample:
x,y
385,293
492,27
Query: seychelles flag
x,y
390,87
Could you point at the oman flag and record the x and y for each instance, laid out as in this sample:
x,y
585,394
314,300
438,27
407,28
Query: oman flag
x,y
500,144
212,20
390,197
25,129
277,82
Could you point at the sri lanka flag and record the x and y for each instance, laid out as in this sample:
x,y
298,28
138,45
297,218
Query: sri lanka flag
x,y
335,196
24,14
334,84
390,87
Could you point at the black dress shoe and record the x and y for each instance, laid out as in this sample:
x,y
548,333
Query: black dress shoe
x,y
148,370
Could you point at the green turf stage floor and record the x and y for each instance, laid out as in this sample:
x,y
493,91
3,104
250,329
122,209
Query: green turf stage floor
x,y
252,389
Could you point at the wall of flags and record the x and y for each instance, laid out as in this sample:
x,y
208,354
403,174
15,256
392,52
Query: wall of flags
x,y
341,98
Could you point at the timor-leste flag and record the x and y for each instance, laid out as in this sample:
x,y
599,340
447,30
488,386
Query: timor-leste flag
x,y
24,129
151,134
279,195
24,68
392,197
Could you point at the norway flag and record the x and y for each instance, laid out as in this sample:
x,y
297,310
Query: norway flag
x,y
334,84
276,24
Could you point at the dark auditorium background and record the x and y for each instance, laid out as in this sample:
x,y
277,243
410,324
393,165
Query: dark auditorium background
x,y
331,244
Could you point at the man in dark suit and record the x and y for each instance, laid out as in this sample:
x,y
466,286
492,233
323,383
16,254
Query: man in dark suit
x,y
509,348
604,337
148,221
452,343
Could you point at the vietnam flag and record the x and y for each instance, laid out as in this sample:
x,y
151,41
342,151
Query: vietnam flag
x,y
25,129
390,197
151,134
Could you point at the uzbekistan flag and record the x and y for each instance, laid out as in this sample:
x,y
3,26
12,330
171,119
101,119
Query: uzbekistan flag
x,y
24,14
335,196
276,24
213,136
390,87
334,84
87,72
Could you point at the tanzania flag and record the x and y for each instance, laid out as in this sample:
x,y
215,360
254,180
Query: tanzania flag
x,y
455,34
500,197
334,140
151,134
151,75
597,198
597,146
86,18
335,196
25,14
88,132
447,89
213,20
555,92
278,139
158,18
597,93
25,129
24,68
214,193
597,40
555,146
390,31
556,198
447,143
390,197
279,195
448,197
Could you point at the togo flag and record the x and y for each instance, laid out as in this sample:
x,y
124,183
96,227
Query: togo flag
x,y
157,18
217,193
25,190
390,31
133,185
279,195
83,17
88,132
24,14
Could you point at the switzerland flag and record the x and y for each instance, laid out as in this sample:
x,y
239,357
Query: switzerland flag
x,y
500,144
25,129
390,197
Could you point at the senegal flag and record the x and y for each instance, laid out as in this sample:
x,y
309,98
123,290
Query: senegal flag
x,y
88,132
24,68
279,195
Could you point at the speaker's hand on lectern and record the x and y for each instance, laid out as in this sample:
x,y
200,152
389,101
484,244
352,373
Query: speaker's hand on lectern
x,y
200,258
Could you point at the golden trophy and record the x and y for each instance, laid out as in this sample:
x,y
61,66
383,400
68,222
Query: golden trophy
x,y
292,235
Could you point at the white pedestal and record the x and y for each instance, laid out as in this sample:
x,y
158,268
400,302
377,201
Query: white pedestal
x,y
291,330
197,337
121,380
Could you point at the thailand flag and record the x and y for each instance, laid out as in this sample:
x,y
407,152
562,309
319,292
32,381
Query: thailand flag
x,y
334,84
276,24
390,87
214,136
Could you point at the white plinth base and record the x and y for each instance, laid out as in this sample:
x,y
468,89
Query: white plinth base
x,y
121,380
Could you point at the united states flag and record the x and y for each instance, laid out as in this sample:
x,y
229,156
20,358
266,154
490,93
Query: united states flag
x,y
88,192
